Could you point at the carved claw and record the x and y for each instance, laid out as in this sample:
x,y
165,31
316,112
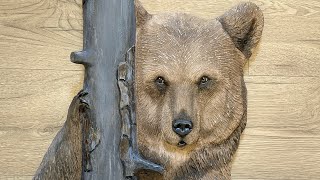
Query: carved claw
x,y
82,93
83,101
145,164
135,162
81,97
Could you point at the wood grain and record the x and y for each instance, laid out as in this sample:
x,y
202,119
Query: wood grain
x,y
37,83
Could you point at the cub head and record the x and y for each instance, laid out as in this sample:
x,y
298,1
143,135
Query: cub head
x,y
189,79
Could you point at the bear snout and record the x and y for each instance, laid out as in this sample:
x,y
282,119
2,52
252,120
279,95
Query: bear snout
x,y
182,127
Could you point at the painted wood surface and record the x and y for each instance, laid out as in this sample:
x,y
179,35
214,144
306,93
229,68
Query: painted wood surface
x,y
38,81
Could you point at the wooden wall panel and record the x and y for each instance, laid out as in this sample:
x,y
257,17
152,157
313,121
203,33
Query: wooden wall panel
x,y
37,79
37,83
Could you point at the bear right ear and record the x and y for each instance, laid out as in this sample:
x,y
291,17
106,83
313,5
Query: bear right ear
x,y
244,24
142,15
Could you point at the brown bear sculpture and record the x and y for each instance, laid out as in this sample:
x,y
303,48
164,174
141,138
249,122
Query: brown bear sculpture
x,y
191,94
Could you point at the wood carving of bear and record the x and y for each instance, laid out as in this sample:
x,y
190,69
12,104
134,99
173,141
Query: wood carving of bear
x,y
191,95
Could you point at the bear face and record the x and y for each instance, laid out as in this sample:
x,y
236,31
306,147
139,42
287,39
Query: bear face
x,y
201,73
191,96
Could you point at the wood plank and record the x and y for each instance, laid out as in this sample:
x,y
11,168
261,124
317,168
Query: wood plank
x,y
274,157
284,103
38,81
16,177
23,149
40,34
30,98
282,137
287,59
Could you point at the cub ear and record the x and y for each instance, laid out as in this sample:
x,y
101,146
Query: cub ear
x,y
141,14
244,24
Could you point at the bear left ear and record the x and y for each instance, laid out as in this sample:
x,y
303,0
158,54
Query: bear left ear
x,y
142,15
244,24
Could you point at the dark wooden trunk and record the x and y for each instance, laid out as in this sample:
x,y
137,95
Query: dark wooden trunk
x,y
109,31
88,145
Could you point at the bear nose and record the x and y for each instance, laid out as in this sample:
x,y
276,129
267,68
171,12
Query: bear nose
x,y
182,127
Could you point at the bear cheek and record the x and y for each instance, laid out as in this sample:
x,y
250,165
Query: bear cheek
x,y
221,118
148,119
213,119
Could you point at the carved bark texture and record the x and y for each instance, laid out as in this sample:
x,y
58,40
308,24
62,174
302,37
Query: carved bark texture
x,y
109,31
129,148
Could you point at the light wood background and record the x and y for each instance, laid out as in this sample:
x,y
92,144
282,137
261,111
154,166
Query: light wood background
x,y
37,83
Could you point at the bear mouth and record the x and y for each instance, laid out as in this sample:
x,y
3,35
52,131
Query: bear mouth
x,y
182,143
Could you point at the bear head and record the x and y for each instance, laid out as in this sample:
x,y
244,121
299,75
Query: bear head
x,y
191,95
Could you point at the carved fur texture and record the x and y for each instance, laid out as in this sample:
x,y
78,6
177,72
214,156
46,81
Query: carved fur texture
x,y
192,68
63,159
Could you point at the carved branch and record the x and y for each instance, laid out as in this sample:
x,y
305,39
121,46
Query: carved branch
x,y
129,148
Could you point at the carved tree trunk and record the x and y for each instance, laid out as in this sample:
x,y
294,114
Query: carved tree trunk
x,y
108,33
88,145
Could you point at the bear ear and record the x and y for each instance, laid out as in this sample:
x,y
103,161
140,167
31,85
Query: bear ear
x,y
244,24
141,14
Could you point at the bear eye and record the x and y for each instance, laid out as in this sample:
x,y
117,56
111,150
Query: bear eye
x,y
160,83
204,79
160,80
204,82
